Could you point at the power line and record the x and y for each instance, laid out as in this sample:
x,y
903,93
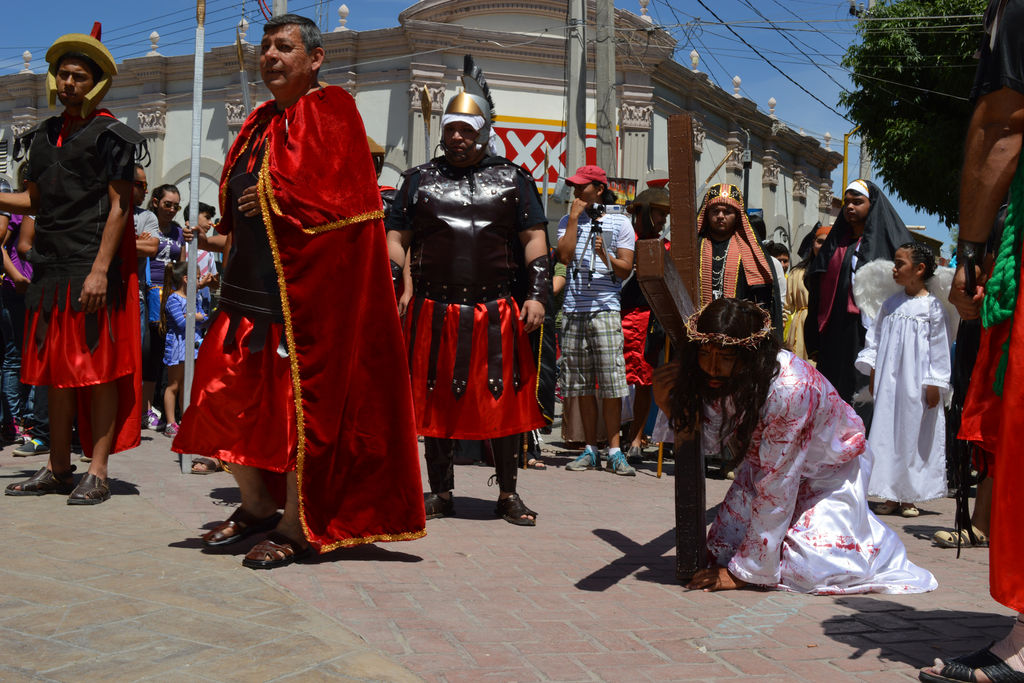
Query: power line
x,y
768,61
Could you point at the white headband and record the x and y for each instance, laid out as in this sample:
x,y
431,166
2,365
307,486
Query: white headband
x,y
477,122
858,186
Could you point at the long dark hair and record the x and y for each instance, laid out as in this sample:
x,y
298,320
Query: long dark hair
x,y
756,368
174,276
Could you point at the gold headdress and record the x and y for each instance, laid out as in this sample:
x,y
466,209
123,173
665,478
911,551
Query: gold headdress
x,y
91,47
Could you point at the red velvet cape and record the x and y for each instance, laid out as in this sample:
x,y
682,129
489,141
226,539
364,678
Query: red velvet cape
x,y
357,458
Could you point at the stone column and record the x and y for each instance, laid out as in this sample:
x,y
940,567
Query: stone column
x,y
770,168
152,120
635,120
734,166
825,201
799,228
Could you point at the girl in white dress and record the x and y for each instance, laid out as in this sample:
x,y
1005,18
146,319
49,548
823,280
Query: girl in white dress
x,y
907,354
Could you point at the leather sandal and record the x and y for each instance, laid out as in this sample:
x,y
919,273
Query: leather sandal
x,y
962,669
42,482
276,550
512,509
91,490
239,525
436,506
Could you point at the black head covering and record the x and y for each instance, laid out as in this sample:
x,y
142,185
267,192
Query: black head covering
x,y
884,232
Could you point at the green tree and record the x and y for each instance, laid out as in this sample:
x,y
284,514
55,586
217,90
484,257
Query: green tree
x,y
912,75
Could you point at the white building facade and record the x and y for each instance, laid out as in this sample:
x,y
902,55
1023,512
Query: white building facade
x,y
521,47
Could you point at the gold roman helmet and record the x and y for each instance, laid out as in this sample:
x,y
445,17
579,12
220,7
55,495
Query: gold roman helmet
x,y
91,47
473,100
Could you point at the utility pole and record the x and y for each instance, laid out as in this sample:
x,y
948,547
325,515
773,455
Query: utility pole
x,y
748,163
865,159
280,7
575,125
604,84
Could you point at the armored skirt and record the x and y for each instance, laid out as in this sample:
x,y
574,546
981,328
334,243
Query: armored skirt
x,y
473,376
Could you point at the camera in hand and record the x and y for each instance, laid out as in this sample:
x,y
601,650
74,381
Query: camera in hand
x,y
595,211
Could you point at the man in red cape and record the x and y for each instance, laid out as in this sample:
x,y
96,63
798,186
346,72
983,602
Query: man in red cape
x,y
82,336
301,382
995,397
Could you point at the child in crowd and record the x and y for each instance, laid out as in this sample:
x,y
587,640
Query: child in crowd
x,y
907,356
172,325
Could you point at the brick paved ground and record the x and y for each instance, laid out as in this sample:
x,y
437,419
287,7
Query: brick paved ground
x,y
589,594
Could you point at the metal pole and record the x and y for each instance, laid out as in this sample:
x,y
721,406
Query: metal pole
x,y
243,75
184,460
280,7
846,154
604,85
747,164
575,125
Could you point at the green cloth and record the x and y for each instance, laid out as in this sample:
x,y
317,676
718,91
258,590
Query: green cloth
x,y
1001,289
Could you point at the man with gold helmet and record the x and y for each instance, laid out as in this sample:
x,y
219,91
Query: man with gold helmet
x,y
83,319
470,217
732,263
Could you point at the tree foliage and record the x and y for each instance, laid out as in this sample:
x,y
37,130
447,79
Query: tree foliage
x,y
912,78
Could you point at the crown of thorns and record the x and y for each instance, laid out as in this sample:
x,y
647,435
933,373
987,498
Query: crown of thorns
x,y
724,339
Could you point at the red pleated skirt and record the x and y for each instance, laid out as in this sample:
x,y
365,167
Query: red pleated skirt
x,y
634,334
241,408
64,361
476,414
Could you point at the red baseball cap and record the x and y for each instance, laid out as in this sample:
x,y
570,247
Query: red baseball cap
x,y
589,174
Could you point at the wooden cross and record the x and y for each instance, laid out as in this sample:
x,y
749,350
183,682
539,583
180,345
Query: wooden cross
x,y
667,282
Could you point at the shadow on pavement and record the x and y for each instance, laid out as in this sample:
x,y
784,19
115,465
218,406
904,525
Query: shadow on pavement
x,y
649,556
915,637
364,553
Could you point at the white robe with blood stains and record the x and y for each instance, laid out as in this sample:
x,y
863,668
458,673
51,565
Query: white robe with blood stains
x,y
796,517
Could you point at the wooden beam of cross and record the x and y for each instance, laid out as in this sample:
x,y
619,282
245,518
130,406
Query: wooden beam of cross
x,y
668,283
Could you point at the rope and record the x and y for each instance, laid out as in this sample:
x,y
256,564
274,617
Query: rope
x,y
1001,289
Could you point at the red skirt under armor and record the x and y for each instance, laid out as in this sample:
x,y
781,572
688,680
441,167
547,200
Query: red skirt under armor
x,y
476,414
64,360
241,409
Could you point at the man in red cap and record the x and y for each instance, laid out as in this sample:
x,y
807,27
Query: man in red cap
x,y
597,248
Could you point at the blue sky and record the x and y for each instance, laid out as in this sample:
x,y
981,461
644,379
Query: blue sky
x,y
818,32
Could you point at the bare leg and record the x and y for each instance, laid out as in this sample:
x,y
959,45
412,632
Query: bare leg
x,y
588,415
641,406
104,416
290,524
148,389
256,500
983,506
62,416
612,420
175,376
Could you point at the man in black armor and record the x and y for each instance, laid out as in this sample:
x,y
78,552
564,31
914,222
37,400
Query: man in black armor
x,y
466,215
82,323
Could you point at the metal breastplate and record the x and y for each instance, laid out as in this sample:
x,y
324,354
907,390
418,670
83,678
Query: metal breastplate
x,y
464,224
250,281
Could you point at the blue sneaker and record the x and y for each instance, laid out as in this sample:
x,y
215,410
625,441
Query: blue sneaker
x,y
590,460
617,464
30,448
